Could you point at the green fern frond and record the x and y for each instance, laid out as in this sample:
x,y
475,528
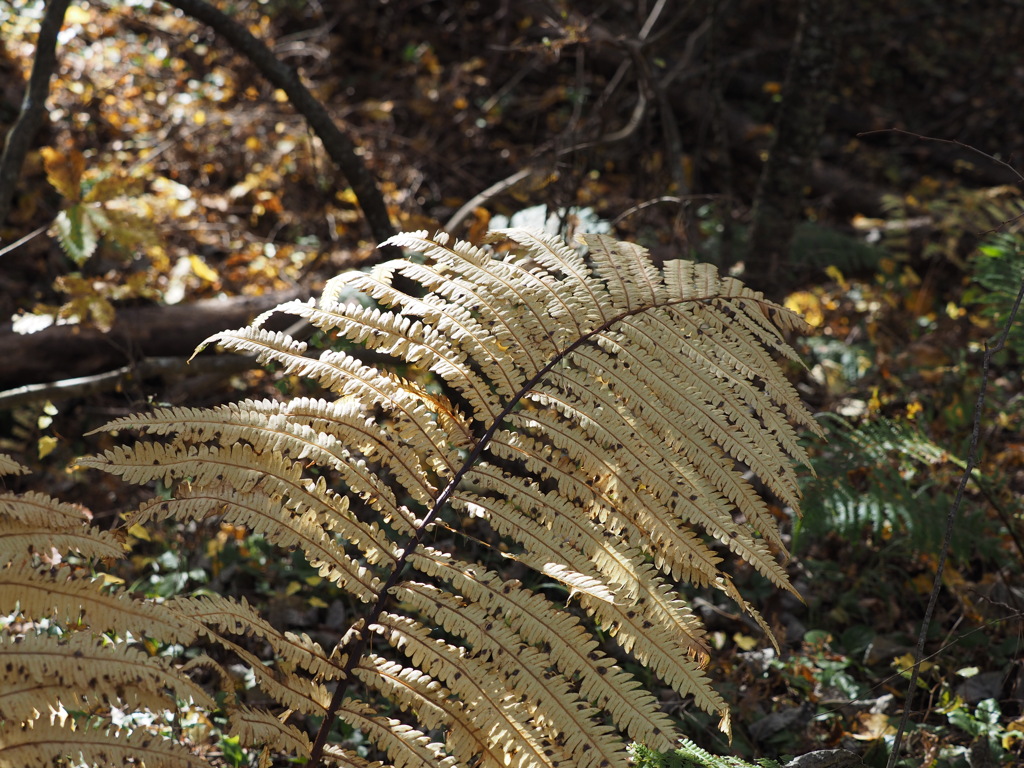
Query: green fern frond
x,y
820,246
689,755
998,272
879,475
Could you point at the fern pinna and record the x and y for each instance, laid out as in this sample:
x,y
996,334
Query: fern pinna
x,y
600,415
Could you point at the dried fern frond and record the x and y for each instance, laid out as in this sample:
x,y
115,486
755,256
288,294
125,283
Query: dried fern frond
x,y
68,659
601,415
46,744
80,670
9,466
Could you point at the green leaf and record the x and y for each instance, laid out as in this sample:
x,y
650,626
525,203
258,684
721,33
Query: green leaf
x,y
988,712
233,752
77,233
966,722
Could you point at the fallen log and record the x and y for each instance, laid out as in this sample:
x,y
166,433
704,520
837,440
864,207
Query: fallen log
x,y
70,351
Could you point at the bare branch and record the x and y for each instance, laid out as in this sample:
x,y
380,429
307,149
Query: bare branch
x,y
338,145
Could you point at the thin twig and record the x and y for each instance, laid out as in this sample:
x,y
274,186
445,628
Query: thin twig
x,y
954,142
108,381
152,154
510,181
482,197
675,199
652,19
1001,225
519,75
694,42
635,118
22,240
645,204
647,87
1002,514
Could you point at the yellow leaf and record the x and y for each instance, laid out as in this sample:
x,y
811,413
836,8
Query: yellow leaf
x,y
293,587
833,272
381,110
864,223
316,602
905,663
875,403
951,706
872,726
808,305
64,172
116,185
102,313
76,16
202,270
1014,733
346,196
139,532
46,419
922,583
744,642
46,446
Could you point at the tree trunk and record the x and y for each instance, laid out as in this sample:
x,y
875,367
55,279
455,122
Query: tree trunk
x,y
68,351
24,130
798,129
